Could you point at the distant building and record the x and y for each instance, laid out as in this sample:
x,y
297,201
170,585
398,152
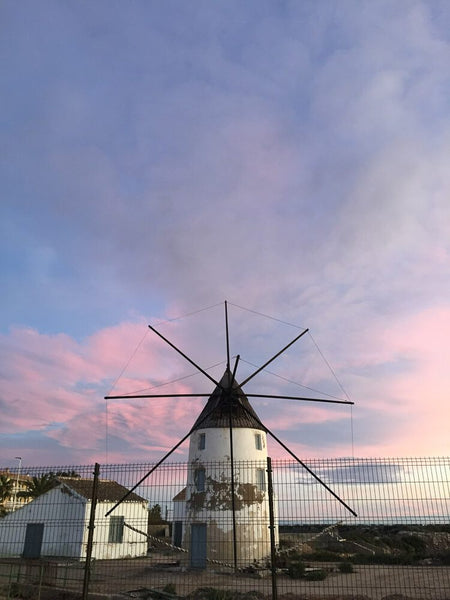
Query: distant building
x,y
56,523
19,484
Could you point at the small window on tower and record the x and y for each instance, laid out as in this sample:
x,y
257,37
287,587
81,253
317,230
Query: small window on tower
x,y
261,480
202,441
199,477
258,441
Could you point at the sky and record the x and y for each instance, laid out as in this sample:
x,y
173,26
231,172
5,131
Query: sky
x,y
161,158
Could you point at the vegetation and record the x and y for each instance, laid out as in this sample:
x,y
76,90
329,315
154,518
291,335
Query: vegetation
x,y
170,588
315,575
154,514
321,555
444,558
6,490
209,593
370,544
71,473
6,487
346,567
296,567
37,486
296,570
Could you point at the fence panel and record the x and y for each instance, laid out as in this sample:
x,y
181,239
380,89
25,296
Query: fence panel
x,y
203,530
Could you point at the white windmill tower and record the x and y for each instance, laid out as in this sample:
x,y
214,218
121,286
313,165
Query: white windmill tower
x,y
226,512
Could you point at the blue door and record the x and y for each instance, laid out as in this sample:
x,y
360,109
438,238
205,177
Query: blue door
x,y
33,540
198,545
178,534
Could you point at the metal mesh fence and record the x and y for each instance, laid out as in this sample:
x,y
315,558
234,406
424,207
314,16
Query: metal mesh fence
x,y
204,530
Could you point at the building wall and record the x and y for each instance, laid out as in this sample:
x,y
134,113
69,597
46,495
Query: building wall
x,y
132,544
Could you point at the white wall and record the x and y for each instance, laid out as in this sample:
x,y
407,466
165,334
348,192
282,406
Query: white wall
x,y
217,447
133,543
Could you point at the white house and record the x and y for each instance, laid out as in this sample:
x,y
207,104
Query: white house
x,y
223,513
56,523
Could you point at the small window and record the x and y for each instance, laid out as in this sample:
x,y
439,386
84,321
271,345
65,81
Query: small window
x,y
116,525
199,478
261,480
258,441
202,441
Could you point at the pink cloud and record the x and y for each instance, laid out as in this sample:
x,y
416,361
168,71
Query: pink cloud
x,y
55,385
55,379
411,394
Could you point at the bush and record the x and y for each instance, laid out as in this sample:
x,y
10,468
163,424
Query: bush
x,y
316,575
296,570
170,588
401,558
321,555
444,557
346,567
414,543
208,593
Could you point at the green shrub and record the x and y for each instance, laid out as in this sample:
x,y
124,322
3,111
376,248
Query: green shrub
x,y
208,593
401,558
316,575
170,588
296,570
414,543
321,555
444,557
295,556
346,567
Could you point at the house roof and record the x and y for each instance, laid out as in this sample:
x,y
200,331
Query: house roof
x,y
107,491
224,400
181,496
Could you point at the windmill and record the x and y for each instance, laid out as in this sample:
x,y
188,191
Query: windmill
x,y
227,512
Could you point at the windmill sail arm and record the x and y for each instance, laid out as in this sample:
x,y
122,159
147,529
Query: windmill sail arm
x,y
274,357
157,396
310,471
185,356
299,398
158,464
233,376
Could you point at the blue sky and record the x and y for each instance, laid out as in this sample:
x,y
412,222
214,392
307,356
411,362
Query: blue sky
x,y
161,157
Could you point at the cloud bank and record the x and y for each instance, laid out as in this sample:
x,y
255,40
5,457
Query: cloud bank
x,y
159,159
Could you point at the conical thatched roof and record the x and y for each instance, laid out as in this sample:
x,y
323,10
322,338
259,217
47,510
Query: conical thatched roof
x,y
216,413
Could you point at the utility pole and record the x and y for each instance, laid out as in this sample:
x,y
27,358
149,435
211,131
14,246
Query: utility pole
x,y
16,490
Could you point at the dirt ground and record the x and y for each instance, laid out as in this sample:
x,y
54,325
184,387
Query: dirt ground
x,y
128,578
374,582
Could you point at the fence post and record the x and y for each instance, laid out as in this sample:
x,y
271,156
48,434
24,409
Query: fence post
x,y
91,527
273,556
